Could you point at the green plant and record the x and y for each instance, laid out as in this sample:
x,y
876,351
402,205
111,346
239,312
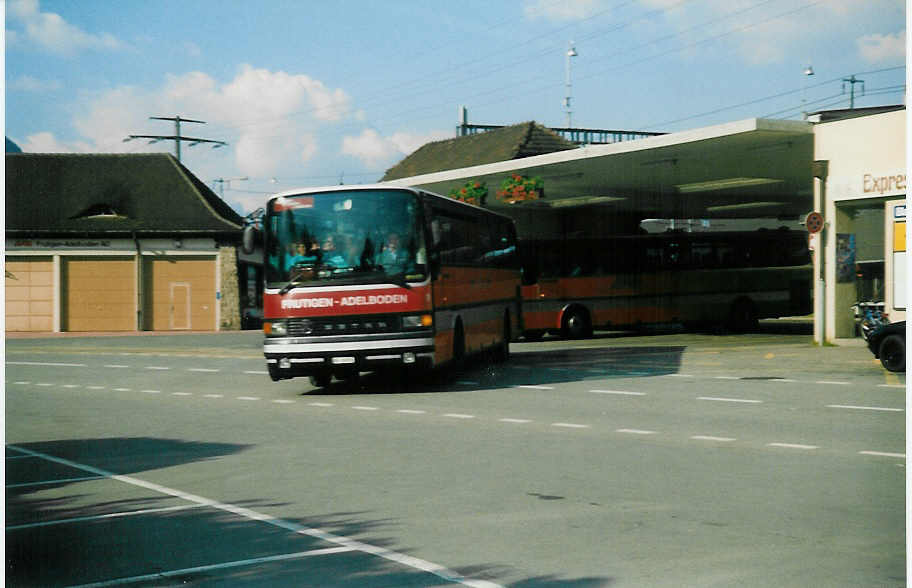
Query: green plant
x,y
474,192
518,188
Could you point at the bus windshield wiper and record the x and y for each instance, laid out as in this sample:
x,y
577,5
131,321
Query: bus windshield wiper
x,y
295,274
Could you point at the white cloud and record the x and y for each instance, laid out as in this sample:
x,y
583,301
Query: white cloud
x,y
562,10
31,84
47,143
876,48
50,32
375,150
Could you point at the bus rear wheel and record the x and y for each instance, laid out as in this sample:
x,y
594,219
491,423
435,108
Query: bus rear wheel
x,y
742,318
320,379
502,351
576,324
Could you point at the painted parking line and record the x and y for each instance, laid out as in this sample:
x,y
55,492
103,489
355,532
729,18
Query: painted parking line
x,y
218,566
338,540
875,408
111,515
51,482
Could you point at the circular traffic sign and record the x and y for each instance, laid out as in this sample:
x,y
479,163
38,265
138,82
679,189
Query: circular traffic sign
x,y
814,222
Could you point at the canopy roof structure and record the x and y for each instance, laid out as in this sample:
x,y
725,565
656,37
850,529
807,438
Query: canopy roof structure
x,y
754,168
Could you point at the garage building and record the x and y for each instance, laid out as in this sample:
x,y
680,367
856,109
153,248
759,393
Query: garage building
x,y
99,242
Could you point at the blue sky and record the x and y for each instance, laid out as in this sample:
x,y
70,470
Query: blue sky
x,y
309,93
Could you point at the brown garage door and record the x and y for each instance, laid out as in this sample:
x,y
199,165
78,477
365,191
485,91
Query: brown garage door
x,y
99,294
29,294
179,293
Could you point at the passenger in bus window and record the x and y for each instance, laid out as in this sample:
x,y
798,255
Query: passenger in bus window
x,y
303,255
392,254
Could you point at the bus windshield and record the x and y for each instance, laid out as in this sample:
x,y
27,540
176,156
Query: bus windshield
x,y
344,237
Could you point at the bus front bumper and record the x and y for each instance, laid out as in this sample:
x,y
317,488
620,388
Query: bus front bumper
x,y
294,357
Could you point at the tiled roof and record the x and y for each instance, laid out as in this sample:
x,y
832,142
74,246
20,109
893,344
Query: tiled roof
x,y
513,142
110,193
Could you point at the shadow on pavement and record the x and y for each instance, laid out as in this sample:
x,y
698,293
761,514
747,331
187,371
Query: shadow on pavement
x,y
65,534
530,368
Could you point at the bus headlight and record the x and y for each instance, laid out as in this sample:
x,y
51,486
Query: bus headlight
x,y
275,329
417,321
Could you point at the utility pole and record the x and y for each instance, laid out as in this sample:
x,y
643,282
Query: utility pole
x,y
177,137
571,52
852,80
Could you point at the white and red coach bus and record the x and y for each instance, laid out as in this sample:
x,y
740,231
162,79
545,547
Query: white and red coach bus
x,y
371,277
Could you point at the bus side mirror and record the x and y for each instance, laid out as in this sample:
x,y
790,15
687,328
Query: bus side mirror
x,y
248,240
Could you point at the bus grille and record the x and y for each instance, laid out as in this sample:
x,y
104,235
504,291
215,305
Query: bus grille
x,y
358,325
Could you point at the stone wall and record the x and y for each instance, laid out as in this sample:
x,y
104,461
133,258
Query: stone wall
x,y
230,302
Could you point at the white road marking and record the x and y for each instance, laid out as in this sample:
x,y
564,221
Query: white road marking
x,y
112,515
213,395
786,380
95,387
44,384
256,372
219,566
531,387
151,391
181,394
618,392
52,364
206,370
116,365
60,481
283,401
22,382
456,415
718,399
570,425
411,411
365,408
635,431
792,446
881,408
726,378
157,367
518,421
467,383
680,375
248,397
123,389
711,438
72,386
891,385
247,513
833,383
883,454
321,404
